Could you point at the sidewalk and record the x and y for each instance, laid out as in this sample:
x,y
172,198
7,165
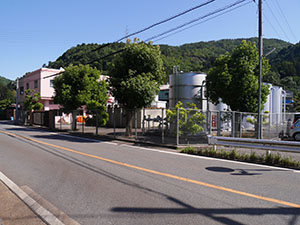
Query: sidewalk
x,y
13,210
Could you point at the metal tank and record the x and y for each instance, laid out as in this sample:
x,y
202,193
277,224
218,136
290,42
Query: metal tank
x,y
187,87
276,100
268,104
276,104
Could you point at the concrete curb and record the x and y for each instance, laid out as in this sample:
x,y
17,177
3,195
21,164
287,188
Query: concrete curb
x,y
44,214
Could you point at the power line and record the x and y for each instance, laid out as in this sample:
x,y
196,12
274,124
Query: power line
x,y
267,19
202,21
185,24
159,23
292,32
277,21
199,18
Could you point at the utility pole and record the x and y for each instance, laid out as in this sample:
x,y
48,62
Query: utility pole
x,y
260,43
17,101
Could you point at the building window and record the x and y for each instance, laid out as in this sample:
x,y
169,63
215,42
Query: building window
x,y
21,90
27,86
51,83
35,83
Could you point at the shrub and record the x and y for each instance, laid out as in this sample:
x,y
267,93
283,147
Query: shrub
x,y
269,158
253,157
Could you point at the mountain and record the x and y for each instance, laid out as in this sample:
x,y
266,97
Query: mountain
x,y
287,62
7,93
189,57
4,81
87,54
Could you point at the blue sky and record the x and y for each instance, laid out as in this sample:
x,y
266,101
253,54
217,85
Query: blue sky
x,y
34,32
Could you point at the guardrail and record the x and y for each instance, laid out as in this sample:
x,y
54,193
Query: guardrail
x,y
290,146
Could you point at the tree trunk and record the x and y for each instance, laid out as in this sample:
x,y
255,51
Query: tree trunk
x,y
129,118
74,120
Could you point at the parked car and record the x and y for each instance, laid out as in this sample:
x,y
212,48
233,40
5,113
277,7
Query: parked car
x,y
296,117
295,130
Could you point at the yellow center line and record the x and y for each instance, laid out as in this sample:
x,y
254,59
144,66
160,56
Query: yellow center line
x,y
161,173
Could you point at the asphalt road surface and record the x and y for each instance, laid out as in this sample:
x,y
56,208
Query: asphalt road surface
x,y
116,183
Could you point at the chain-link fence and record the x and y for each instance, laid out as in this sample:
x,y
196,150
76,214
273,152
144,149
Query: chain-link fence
x,y
168,126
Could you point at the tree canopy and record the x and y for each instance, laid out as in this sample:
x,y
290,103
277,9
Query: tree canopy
x,y
136,74
234,79
78,86
7,93
32,100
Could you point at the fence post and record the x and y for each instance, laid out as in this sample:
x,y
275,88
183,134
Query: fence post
x,y
114,120
149,117
177,127
219,123
143,129
162,127
135,123
233,124
60,125
121,117
82,124
96,122
241,121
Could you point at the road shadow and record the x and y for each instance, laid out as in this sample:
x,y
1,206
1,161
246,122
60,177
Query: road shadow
x,y
217,214
243,172
67,137
27,129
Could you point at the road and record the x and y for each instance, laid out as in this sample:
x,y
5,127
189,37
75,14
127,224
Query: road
x,y
101,182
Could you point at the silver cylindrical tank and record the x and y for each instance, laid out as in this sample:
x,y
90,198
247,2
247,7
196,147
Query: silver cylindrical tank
x,y
187,87
277,100
268,104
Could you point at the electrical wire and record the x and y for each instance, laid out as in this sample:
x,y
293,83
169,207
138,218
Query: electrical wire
x,y
197,19
265,17
283,31
185,24
147,28
230,10
227,9
291,30
159,23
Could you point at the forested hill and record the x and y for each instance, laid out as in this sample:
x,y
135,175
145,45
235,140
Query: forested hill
x,y
200,56
4,81
189,57
287,61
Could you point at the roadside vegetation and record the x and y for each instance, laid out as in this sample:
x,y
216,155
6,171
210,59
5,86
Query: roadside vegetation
x,y
267,159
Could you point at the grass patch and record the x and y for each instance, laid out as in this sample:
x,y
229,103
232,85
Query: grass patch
x,y
253,157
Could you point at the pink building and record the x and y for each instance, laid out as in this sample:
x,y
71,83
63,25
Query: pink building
x,y
41,81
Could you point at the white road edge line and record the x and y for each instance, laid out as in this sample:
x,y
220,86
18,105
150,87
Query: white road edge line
x,y
44,214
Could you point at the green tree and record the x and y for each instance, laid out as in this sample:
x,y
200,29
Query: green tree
x,y
32,100
135,77
191,120
234,79
78,86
